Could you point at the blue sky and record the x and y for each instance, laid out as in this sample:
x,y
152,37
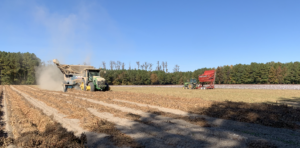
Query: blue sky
x,y
193,33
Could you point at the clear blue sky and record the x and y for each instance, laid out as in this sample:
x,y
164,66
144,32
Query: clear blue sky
x,y
192,33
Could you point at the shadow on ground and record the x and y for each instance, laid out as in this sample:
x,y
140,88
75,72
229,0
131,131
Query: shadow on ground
x,y
175,133
274,115
280,119
294,101
4,140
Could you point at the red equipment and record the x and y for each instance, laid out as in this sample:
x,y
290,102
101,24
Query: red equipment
x,y
208,76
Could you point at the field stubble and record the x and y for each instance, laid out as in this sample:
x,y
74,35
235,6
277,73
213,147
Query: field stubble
x,y
274,115
78,110
32,128
199,106
235,95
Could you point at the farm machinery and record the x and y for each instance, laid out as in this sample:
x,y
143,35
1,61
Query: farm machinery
x,y
207,77
190,85
82,77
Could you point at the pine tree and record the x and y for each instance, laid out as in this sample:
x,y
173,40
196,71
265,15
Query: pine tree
x,y
272,76
219,75
279,75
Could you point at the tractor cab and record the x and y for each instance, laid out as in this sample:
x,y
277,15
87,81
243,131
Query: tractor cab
x,y
191,84
92,80
194,81
92,73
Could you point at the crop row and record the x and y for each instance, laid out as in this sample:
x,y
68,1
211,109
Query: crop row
x,y
32,128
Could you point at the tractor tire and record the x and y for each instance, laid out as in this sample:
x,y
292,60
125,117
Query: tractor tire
x,y
191,86
92,86
107,88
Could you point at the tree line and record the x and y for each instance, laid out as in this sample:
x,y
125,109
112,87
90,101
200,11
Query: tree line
x,y
259,73
18,68
254,73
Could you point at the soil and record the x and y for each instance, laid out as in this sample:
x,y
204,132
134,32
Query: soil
x,y
158,129
133,120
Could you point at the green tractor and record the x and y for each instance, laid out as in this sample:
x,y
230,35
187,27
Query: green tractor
x,y
92,81
190,85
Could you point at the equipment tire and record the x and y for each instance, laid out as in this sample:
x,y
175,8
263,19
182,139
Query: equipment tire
x,y
92,86
191,86
107,88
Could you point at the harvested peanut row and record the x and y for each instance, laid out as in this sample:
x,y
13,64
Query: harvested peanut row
x,y
31,128
87,120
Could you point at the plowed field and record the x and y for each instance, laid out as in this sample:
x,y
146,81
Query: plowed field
x,y
42,118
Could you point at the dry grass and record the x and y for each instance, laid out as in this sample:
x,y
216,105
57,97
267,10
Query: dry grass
x,y
236,95
32,128
76,109
104,97
280,116
270,115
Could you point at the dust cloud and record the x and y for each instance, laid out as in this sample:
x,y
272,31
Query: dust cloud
x,y
49,77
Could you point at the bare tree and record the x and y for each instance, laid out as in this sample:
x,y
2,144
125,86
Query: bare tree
x,y
150,66
129,66
166,66
163,65
84,63
146,66
176,68
104,64
111,63
142,66
119,64
157,68
123,66
138,64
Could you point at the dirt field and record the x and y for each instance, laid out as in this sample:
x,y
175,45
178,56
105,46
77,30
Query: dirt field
x,y
140,118
244,95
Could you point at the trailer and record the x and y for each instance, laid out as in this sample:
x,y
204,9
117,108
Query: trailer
x,y
207,77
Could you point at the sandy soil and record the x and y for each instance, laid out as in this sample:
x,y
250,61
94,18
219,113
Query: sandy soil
x,y
160,130
71,124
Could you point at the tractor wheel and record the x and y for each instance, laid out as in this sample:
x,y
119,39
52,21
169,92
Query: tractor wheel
x,y
191,86
107,88
92,86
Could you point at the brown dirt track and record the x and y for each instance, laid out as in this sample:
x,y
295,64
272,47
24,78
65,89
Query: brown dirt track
x,y
158,121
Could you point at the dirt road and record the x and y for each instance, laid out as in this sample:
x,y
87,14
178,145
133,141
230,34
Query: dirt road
x,y
115,119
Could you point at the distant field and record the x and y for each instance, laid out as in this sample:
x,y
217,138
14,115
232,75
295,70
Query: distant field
x,y
245,95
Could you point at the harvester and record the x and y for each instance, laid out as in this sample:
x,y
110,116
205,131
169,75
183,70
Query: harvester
x,y
207,77
82,77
